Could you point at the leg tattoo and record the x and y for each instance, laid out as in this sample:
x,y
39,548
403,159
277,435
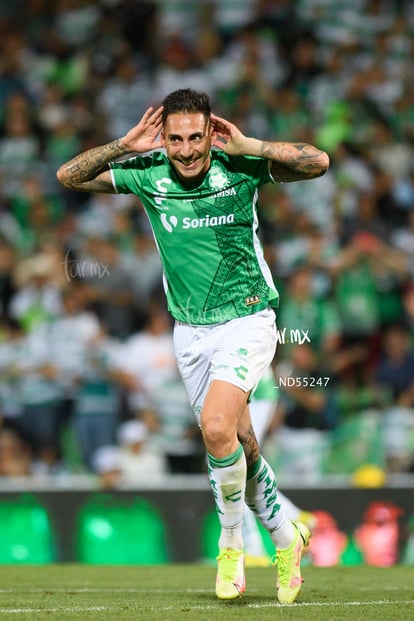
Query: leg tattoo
x,y
250,446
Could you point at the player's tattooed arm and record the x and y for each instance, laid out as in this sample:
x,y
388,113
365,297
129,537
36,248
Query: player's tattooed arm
x,y
290,161
295,161
89,171
250,446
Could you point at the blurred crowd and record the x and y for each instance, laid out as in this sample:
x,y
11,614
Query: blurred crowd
x,y
87,374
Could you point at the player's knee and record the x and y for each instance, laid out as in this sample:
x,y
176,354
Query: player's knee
x,y
214,433
217,436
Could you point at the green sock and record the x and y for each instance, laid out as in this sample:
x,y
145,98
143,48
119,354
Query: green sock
x,y
262,498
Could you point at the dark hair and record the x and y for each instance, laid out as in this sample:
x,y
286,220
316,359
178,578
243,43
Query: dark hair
x,y
186,100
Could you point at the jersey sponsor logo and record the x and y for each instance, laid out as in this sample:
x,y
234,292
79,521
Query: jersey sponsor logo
x,y
162,187
171,222
195,223
227,192
162,184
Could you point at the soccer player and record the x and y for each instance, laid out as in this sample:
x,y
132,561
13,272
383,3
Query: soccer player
x,y
199,188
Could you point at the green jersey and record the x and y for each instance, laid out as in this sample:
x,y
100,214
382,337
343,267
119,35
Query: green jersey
x,y
212,259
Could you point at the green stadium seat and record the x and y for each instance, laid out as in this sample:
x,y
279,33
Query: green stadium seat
x,y
26,535
114,531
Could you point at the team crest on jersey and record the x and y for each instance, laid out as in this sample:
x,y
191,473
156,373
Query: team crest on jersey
x,y
217,178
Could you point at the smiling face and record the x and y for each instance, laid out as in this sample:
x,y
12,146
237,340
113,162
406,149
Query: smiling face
x,y
187,140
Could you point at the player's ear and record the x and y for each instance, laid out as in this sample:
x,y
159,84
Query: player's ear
x,y
162,138
212,132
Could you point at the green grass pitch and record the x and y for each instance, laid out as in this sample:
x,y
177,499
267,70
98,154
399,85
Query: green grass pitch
x,y
186,592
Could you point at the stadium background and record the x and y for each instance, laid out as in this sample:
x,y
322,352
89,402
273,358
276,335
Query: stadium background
x,y
79,275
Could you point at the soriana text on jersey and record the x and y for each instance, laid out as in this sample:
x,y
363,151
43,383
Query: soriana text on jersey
x,y
171,222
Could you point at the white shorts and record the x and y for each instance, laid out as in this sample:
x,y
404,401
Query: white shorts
x,y
237,351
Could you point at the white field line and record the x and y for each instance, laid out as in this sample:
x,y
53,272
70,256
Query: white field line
x,y
68,589
43,610
218,606
104,590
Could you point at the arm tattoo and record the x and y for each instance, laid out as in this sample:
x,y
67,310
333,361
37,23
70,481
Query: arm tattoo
x,y
268,150
250,446
296,160
84,167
